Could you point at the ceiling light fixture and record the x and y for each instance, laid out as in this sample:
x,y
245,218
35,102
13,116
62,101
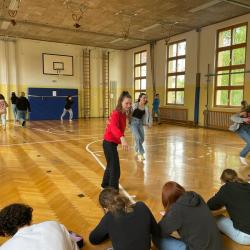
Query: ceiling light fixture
x,y
153,26
77,11
205,6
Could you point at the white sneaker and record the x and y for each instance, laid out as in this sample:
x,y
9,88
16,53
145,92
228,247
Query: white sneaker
x,y
70,120
140,157
243,161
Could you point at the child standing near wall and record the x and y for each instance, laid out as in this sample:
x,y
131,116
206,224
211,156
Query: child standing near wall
x,y
3,110
114,135
68,108
155,110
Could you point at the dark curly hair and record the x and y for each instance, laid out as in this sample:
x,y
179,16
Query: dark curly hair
x,y
14,217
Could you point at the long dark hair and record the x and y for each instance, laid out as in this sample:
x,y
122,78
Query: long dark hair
x,y
230,175
116,203
13,94
2,97
140,96
123,95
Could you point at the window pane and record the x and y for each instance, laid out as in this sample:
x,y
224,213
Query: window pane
x,y
238,56
144,57
171,81
137,59
143,70
223,80
172,50
222,97
239,35
224,58
237,79
143,83
182,49
137,84
137,95
236,96
181,65
225,38
171,97
180,97
137,72
172,66
180,81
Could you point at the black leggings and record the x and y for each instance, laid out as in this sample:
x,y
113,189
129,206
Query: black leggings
x,y
112,172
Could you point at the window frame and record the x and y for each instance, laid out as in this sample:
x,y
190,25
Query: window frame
x,y
175,58
231,67
140,77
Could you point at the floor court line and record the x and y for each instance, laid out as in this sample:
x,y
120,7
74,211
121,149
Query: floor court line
x,y
130,197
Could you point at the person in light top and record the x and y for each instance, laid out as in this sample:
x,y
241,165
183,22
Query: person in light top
x,y
15,222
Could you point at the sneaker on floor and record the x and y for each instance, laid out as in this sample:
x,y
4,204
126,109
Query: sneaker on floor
x,y
23,123
140,157
70,120
243,161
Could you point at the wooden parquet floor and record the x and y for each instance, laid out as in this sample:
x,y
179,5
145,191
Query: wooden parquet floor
x,y
50,165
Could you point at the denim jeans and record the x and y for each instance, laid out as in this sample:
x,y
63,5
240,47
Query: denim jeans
x,y
3,119
138,133
21,115
70,113
14,109
170,243
244,133
158,115
225,225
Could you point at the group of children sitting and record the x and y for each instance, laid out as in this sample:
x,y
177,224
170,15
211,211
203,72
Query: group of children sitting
x,y
133,226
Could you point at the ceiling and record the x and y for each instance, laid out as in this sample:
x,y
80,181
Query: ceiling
x,y
113,24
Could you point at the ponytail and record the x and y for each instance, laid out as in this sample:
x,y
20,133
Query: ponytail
x,y
230,175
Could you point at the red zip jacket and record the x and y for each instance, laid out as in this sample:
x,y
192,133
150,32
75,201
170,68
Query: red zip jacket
x,y
116,127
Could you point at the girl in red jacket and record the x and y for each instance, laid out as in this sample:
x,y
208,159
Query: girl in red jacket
x,y
113,136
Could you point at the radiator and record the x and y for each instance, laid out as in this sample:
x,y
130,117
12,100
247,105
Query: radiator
x,y
217,119
174,114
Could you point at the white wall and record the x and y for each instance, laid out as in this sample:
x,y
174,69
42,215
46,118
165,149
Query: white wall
x,y
22,67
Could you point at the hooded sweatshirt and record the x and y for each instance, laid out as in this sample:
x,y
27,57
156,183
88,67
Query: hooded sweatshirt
x,y
191,217
236,198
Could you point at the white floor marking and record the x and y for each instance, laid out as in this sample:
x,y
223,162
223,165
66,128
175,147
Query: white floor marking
x,y
100,163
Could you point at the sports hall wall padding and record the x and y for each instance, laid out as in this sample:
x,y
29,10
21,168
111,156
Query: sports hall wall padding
x,y
48,103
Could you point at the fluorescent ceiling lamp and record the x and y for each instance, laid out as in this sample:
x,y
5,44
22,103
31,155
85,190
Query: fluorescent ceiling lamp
x,y
205,6
150,27
116,40
14,4
5,25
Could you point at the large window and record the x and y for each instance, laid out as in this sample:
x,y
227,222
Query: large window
x,y
140,73
230,65
176,65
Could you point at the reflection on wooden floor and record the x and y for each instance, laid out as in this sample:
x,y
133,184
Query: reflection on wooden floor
x,y
47,166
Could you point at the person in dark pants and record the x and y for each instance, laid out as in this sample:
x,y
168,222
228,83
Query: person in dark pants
x,y
129,226
22,105
68,108
14,108
114,135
